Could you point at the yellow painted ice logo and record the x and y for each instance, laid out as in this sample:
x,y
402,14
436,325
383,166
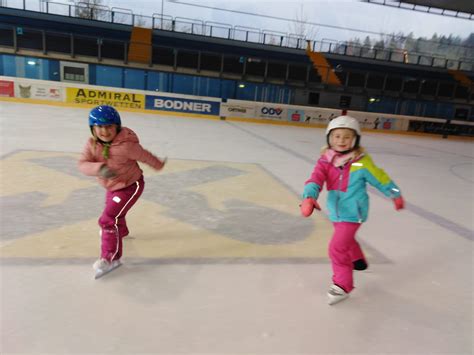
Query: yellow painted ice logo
x,y
192,210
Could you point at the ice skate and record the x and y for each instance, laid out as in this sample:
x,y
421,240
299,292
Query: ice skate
x,y
360,264
336,294
103,267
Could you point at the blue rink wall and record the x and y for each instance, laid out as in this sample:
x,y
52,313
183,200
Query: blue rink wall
x,y
152,80
149,80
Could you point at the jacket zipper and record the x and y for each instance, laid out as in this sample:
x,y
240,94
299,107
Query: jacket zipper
x,y
339,192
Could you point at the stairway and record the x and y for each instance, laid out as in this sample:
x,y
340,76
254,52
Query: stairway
x,y
461,78
140,45
323,67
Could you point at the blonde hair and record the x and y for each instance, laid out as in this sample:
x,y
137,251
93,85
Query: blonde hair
x,y
105,150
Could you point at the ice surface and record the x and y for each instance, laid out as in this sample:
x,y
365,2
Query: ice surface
x,y
201,297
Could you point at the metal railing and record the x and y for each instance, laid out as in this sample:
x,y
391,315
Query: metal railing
x,y
296,73
240,33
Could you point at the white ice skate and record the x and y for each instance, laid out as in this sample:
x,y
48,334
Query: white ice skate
x,y
103,267
336,294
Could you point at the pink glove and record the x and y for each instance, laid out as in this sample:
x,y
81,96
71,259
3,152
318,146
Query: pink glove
x,y
308,205
399,203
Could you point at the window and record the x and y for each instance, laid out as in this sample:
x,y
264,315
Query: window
x,y
297,72
461,113
187,59
446,89
255,67
313,98
462,92
428,87
375,81
74,72
356,79
345,101
210,62
233,65
393,83
276,70
411,86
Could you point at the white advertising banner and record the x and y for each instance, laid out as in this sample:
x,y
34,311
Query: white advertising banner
x,y
320,116
38,91
241,109
380,121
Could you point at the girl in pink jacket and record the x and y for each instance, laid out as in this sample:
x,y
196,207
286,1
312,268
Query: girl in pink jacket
x,y
111,154
345,168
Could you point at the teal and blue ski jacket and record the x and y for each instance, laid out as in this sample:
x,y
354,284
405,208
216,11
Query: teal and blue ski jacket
x,y
347,199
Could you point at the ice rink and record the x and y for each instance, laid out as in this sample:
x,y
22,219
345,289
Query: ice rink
x,y
219,260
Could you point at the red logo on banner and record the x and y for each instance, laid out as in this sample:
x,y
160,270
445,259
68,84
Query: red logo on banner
x,y
7,88
295,116
387,125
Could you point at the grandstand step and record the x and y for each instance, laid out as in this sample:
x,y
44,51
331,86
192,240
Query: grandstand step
x,y
461,78
323,68
140,45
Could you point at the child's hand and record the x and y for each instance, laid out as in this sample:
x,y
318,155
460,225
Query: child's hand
x,y
106,173
308,205
163,163
399,203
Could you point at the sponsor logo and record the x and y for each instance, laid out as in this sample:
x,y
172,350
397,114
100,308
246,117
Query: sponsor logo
x,y
237,109
387,125
102,97
106,95
53,92
7,88
295,115
182,105
34,91
271,111
25,91
179,105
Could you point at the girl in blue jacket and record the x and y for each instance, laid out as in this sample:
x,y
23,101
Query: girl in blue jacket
x,y
346,169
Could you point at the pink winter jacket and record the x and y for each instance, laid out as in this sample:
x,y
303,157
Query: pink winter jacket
x,y
124,153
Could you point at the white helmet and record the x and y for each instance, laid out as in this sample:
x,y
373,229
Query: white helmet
x,y
345,122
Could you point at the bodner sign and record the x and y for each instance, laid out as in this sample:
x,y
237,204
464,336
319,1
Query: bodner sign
x,y
165,103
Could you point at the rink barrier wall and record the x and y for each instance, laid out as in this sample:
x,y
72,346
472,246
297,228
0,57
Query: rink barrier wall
x,y
74,95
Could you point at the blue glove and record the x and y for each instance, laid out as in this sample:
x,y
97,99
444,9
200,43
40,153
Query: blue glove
x,y
311,190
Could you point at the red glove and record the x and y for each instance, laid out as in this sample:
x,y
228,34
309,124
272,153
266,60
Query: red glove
x,y
399,203
308,205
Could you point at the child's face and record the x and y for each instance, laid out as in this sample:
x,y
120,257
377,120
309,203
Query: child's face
x,y
106,133
341,139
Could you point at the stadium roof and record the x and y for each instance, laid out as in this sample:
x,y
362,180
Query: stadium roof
x,y
456,8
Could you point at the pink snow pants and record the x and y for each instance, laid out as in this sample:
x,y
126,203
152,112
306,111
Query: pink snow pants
x,y
112,221
343,250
